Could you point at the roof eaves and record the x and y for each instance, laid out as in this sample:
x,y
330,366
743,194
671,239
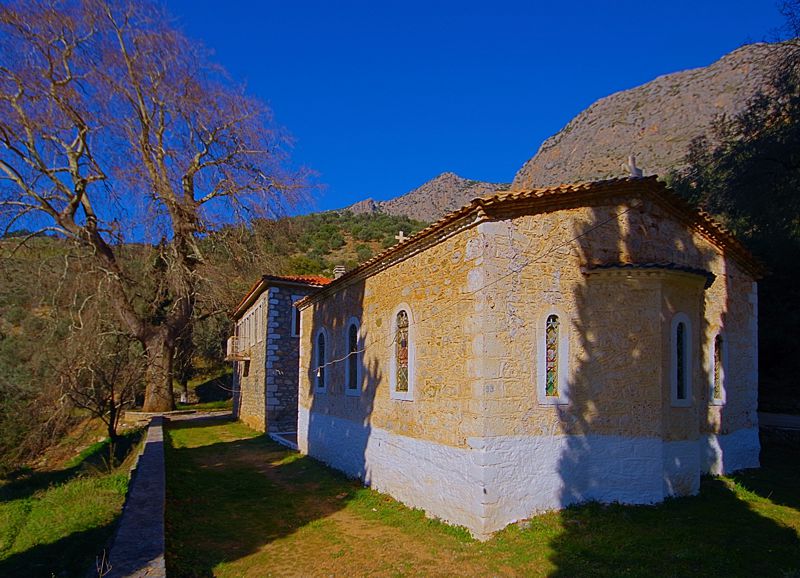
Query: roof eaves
x,y
554,197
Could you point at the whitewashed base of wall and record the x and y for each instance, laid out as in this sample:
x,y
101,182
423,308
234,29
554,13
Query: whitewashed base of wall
x,y
499,480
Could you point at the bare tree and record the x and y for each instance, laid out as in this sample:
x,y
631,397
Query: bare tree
x,y
114,128
102,374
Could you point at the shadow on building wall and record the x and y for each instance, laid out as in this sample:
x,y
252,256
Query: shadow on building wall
x,y
608,397
339,423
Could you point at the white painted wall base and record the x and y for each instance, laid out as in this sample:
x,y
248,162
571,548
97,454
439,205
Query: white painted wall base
x,y
527,475
496,481
727,453
681,468
440,479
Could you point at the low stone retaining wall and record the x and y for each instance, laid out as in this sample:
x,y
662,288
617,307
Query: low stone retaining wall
x,y
138,548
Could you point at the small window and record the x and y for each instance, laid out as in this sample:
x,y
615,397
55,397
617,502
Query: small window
x,y
354,356
253,329
680,351
552,357
717,379
681,366
402,360
260,323
321,370
296,316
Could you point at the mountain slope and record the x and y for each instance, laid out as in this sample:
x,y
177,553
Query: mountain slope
x,y
655,121
432,200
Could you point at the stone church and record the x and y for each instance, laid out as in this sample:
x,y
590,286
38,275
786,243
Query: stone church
x,y
535,349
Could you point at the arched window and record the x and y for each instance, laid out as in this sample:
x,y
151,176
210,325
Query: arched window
x,y
717,378
552,359
680,351
551,356
681,366
352,368
321,357
402,361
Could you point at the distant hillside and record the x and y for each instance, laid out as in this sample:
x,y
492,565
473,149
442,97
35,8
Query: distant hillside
x,y
655,121
432,200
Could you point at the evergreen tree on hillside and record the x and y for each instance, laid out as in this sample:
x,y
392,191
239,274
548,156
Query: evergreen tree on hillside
x,y
747,173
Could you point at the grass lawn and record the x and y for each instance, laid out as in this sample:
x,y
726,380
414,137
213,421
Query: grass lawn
x,y
55,522
224,404
240,505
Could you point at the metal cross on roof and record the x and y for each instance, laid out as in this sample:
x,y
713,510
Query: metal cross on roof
x,y
401,237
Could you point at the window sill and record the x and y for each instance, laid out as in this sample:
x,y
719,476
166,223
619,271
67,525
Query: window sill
x,y
681,403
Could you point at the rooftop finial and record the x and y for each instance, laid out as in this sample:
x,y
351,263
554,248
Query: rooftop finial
x,y
635,171
338,271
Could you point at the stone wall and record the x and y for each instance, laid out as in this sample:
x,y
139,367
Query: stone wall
x,y
478,301
266,397
445,408
249,400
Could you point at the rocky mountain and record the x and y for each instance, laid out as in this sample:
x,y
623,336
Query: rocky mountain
x,y
655,121
440,195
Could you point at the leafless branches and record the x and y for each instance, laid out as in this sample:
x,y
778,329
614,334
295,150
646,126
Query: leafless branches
x,y
114,128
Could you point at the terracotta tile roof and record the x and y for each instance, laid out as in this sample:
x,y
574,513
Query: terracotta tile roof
x,y
572,195
307,279
266,280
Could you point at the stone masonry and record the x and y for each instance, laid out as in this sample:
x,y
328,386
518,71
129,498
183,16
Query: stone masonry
x,y
476,444
265,384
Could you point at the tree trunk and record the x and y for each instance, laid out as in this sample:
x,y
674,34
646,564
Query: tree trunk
x,y
159,350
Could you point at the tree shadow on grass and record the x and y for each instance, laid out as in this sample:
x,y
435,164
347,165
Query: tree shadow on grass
x,y
641,425
714,534
779,478
226,500
73,555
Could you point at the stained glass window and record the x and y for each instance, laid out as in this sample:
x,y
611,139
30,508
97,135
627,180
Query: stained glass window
x,y
352,360
321,361
717,391
680,350
551,356
401,351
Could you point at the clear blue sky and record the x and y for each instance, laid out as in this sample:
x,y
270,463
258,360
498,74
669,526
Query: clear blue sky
x,y
382,96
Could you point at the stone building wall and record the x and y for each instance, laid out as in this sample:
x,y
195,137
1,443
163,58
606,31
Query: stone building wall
x,y
476,446
282,359
249,399
266,398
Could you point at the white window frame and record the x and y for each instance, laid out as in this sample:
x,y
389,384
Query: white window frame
x,y
712,359
412,355
296,315
563,359
260,322
359,358
315,361
253,329
680,317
